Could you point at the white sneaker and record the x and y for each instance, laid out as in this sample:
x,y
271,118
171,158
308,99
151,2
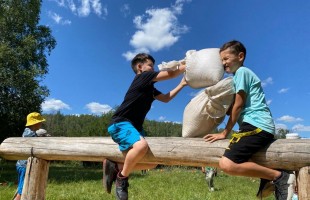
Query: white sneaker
x,y
209,178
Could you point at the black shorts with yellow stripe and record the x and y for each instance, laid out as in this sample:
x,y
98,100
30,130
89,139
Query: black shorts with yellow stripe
x,y
242,151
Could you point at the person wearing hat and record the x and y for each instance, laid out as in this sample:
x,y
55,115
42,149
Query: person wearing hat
x,y
33,129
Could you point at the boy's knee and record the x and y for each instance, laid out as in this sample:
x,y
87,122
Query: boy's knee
x,y
226,165
142,145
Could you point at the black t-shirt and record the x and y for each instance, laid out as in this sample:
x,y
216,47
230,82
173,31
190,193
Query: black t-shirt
x,y
138,100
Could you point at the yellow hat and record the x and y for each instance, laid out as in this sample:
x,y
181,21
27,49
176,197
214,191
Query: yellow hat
x,y
34,118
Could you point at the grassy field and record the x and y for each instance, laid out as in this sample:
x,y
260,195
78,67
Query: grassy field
x,y
73,181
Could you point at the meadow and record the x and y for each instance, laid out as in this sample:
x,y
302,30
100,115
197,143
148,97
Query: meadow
x,y
73,181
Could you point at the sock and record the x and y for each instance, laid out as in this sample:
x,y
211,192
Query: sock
x,y
121,175
278,178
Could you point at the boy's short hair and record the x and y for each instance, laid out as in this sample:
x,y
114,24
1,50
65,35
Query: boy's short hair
x,y
235,46
140,58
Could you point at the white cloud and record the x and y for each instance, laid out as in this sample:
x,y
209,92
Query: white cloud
x,y
156,29
269,102
283,90
161,118
125,9
300,127
72,6
54,105
60,3
58,19
84,7
280,126
97,108
266,82
287,118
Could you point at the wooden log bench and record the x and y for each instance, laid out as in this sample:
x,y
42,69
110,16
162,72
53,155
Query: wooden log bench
x,y
281,154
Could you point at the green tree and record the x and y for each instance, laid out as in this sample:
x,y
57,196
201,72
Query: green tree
x,y
24,45
281,133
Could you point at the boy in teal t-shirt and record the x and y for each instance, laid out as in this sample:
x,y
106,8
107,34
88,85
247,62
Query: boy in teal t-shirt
x,y
256,127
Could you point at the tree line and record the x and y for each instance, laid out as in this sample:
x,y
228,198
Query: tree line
x,y
93,125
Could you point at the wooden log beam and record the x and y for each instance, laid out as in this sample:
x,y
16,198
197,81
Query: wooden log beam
x,y
281,154
35,179
303,181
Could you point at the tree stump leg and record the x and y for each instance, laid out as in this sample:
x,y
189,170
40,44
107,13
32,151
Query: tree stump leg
x,y
303,182
35,179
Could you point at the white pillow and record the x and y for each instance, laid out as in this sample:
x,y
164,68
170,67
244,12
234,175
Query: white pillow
x,y
203,68
207,110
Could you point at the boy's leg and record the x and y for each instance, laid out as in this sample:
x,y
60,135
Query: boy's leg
x,y
282,180
236,162
134,155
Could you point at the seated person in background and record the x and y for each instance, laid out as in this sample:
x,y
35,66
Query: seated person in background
x,y
33,129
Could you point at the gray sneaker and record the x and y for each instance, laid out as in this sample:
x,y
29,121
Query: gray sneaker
x,y
110,170
284,186
121,188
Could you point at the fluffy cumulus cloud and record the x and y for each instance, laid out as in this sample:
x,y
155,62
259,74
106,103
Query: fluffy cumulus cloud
x,y
288,118
53,105
97,108
157,29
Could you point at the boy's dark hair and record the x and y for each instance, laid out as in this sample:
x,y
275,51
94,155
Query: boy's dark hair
x,y
140,58
235,46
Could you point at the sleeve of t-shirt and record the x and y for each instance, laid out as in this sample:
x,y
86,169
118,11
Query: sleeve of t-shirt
x,y
241,81
29,133
156,92
148,76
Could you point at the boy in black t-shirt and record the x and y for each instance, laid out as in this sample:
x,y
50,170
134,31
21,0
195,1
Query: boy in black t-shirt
x,y
126,125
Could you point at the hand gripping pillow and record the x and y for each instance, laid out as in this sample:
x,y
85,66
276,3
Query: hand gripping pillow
x,y
208,109
203,68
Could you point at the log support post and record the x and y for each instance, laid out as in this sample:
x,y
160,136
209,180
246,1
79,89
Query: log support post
x,y
35,179
303,182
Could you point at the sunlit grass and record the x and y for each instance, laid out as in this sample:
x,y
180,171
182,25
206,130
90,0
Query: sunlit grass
x,y
73,181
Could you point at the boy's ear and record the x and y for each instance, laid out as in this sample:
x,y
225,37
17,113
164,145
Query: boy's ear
x,y
139,66
241,56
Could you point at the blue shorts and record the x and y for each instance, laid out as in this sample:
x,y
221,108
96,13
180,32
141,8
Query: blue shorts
x,y
21,176
124,134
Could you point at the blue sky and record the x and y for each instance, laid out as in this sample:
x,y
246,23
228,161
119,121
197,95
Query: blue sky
x,y
89,70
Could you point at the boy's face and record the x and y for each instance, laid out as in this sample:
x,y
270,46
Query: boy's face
x,y
146,66
231,61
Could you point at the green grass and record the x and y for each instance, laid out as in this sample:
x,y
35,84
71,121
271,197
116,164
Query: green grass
x,y
73,181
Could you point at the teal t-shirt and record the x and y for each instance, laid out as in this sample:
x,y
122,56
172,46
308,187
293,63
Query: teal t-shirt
x,y
255,110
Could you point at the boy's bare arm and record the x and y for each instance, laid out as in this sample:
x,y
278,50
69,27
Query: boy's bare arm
x,y
236,110
170,95
165,75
